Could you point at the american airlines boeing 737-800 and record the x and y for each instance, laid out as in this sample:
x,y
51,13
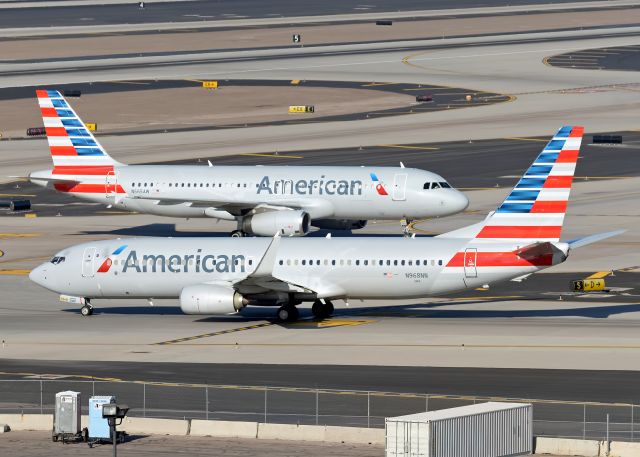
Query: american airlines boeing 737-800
x,y
221,276
261,199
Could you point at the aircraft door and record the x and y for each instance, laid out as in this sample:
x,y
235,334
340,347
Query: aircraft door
x,y
87,262
470,263
110,185
400,186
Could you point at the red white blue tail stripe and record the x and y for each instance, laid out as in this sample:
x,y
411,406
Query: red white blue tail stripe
x,y
70,142
535,208
75,152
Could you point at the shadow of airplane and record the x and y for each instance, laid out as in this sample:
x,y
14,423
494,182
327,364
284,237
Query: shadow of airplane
x,y
169,230
418,310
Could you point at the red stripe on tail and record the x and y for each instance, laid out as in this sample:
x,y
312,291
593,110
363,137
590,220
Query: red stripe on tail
x,y
558,182
502,259
98,170
520,231
541,206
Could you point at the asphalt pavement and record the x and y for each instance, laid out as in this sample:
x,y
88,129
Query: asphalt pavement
x,y
223,10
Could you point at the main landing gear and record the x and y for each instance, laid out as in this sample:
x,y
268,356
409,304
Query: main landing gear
x,y
238,234
288,313
322,310
86,310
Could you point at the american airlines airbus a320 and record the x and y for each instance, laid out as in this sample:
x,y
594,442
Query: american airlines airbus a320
x,y
221,276
261,199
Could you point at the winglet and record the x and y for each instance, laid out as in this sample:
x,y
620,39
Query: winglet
x,y
268,261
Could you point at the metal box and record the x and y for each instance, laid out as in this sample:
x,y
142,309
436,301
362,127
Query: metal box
x,y
98,426
66,419
483,430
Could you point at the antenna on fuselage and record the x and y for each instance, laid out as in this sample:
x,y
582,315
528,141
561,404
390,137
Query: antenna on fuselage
x,y
209,162
401,165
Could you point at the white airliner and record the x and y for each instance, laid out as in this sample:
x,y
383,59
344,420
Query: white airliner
x,y
261,199
221,276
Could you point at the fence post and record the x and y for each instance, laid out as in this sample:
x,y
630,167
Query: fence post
x,y
144,399
631,421
41,405
368,409
607,430
206,402
317,406
265,404
426,403
93,387
584,421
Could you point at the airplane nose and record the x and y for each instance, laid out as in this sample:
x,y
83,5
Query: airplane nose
x,y
39,275
461,201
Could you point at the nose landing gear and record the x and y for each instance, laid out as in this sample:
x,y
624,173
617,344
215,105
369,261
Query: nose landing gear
x,y
87,309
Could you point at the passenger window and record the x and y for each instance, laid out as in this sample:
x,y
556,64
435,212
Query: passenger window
x,y
326,262
288,261
366,262
333,262
395,262
357,262
440,262
433,263
410,263
341,262
304,262
281,262
402,263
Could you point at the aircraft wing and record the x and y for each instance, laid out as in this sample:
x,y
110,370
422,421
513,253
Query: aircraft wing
x,y
317,208
263,278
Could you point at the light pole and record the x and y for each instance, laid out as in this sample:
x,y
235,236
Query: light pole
x,y
114,415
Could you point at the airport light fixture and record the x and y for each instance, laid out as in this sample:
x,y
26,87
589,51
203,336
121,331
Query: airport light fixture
x,y
114,414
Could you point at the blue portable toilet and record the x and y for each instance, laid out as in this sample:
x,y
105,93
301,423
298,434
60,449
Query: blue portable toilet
x,y
98,426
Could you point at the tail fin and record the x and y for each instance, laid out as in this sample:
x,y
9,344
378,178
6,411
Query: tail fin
x,y
74,149
535,208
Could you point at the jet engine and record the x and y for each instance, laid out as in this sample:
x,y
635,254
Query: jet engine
x,y
210,299
339,224
287,222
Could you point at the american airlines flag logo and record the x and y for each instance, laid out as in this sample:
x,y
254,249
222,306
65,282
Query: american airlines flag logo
x,y
106,265
379,186
388,275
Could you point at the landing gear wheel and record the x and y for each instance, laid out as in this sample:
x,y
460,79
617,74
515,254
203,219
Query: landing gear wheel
x,y
86,310
237,234
288,313
328,308
322,310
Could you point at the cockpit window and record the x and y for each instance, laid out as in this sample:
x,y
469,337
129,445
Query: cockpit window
x,y
445,185
435,185
56,260
426,186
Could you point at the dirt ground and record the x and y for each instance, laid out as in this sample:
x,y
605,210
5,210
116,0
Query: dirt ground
x,y
39,444
195,107
33,49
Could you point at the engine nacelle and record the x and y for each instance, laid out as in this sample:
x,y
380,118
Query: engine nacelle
x,y
287,222
210,299
339,224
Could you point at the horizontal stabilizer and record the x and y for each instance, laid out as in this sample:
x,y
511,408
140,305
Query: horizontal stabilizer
x,y
38,178
579,242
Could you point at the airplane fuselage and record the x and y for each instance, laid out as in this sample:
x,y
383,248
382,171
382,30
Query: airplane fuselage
x,y
373,268
323,192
